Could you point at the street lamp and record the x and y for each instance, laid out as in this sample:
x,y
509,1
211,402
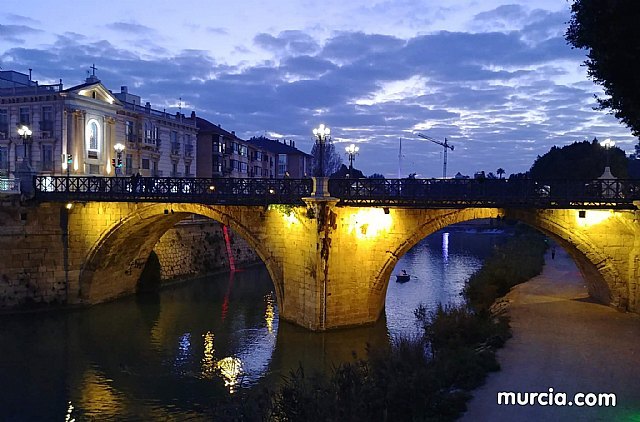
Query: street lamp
x,y
607,143
119,148
321,133
352,150
24,132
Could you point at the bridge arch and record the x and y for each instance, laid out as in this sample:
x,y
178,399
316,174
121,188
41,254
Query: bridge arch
x,y
603,278
116,259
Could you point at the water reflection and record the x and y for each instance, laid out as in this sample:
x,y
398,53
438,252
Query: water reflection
x,y
172,355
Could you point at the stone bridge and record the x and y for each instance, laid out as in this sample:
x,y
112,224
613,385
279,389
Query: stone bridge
x,y
330,265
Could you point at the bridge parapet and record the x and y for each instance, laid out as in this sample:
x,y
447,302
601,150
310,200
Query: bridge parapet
x,y
417,193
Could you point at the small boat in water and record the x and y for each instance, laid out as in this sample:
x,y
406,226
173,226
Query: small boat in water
x,y
403,278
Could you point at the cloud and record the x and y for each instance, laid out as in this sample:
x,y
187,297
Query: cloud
x,y
291,42
16,33
130,28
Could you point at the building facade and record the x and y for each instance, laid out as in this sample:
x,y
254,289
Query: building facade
x,y
46,129
223,154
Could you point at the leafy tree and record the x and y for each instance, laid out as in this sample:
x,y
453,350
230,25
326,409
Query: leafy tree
x,y
579,161
500,172
609,30
376,176
332,160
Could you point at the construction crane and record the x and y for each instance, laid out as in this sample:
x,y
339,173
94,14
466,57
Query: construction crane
x,y
446,146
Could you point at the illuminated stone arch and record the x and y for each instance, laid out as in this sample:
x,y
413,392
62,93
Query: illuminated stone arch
x,y
603,278
116,260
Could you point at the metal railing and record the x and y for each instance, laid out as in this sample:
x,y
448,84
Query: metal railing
x,y
503,193
9,185
233,191
418,193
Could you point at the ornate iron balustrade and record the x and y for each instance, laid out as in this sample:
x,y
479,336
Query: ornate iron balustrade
x,y
419,193
9,185
233,191
459,193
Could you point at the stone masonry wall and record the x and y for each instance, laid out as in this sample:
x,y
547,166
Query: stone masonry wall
x,y
196,247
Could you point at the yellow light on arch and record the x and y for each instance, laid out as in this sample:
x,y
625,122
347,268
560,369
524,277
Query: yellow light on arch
x,y
588,218
369,223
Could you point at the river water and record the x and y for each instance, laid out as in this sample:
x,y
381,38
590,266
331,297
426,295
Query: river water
x,y
154,357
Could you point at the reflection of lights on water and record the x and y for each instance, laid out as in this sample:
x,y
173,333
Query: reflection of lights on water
x,y
269,312
230,368
185,342
69,417
445,247
208,363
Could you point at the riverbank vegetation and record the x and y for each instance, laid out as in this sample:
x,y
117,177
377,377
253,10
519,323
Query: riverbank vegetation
x,y
428,377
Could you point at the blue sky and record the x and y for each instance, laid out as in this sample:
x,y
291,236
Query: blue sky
x,y
495,78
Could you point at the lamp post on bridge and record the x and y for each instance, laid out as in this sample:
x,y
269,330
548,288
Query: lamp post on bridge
x,y
118,165
607,144
352,150
321,183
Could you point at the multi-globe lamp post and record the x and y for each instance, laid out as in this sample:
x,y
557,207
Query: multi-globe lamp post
x,y
118,165
320,182
25,133
607,144
352,151
321,133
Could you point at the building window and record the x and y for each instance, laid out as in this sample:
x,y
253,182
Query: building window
x,y
25,115
47,157
174,169
282,164
94,169
243,150
4,124
244,168
92,138
187,170
4,159
128,131
216,164
128,164
145,164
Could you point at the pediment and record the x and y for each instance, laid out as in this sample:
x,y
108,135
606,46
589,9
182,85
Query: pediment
x,y
95,91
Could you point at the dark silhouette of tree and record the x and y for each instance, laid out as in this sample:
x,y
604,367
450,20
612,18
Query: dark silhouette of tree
x,y
376,176
609,30
500,172
343,172
332,160
579,161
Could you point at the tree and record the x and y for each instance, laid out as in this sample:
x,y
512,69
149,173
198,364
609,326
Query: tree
x,y
609,30
500,172
376,176
579,161
332,160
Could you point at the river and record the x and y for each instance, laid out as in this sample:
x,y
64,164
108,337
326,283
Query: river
x,y
154,356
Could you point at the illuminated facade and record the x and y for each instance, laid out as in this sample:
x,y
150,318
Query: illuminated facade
x,y
45,129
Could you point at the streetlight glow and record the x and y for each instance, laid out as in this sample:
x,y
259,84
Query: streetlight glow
x,y
352,150
24,131
321,133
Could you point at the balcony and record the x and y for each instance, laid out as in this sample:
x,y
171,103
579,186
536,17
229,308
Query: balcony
x,y
188,150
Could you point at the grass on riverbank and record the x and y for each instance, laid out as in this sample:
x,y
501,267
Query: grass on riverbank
x,y
426,378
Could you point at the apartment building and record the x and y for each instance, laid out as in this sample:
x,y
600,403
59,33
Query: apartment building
x,y
46,129
222,154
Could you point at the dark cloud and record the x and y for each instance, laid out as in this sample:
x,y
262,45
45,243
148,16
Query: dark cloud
x,y
16,33
130,28
287,43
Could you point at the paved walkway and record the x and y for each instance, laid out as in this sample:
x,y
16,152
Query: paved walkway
x,y
562,340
